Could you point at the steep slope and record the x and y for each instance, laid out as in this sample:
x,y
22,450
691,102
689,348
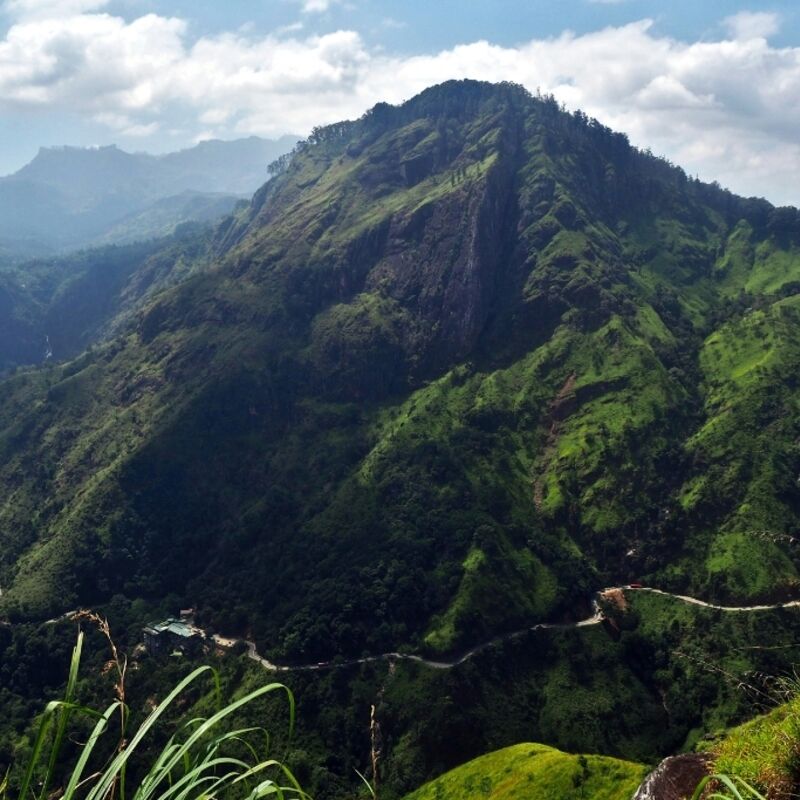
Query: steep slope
x,y
451,373
70,197
162,217
764,750
56,308
20,341
532,770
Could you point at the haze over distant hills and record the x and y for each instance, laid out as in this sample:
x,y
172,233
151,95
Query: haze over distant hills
x,y
71,197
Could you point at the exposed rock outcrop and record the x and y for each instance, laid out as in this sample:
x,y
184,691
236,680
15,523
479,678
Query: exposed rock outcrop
x,y
675,778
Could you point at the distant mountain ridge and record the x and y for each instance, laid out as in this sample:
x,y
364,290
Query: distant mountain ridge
x,y
70,197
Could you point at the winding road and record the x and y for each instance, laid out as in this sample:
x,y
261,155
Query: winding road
x,y
596,618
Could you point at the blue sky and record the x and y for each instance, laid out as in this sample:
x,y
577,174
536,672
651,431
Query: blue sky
x,y
419,26
714,85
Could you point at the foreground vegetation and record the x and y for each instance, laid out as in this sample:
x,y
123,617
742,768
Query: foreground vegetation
x,y
764,753
670,675
723,787
429,721
206,757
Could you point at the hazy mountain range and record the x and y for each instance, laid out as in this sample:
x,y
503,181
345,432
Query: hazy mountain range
x,y
70,197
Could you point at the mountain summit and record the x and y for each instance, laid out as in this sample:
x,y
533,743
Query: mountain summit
x,y
460,364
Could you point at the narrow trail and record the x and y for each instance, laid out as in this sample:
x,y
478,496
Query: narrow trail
x,y
596,618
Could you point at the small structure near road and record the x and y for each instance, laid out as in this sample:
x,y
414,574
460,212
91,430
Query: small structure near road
x,y
174,636
614,599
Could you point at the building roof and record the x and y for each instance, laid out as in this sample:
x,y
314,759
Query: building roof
x,y
175,627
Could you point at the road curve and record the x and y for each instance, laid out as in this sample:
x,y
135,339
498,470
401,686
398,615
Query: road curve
x,y
253,654
596,618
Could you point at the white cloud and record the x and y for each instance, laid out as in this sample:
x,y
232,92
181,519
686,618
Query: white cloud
x,y
215,116
203,136
752,25
292,27
728,109
390,23
126,126
316,6
141,131
47,9
90,62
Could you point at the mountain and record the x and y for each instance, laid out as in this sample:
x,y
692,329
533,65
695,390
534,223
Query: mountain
x,y
162,217
477,355
461,364
70,197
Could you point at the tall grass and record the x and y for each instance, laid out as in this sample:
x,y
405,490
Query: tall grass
x,y
201,760
724,788
765,752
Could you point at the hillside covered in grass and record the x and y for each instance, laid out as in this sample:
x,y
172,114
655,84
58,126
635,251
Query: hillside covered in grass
x,y
531,770
765,751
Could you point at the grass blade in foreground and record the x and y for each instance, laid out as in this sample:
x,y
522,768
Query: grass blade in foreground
x,y
183,769
735,789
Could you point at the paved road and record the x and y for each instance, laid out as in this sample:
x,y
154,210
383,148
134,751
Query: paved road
x,y
595,619
695,602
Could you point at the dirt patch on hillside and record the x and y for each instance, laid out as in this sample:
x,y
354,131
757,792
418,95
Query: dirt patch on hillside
x,y
562,405
615,599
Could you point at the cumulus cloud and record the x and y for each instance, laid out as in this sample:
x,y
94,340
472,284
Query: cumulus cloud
x,y
91,62
728,109
126,126
752,24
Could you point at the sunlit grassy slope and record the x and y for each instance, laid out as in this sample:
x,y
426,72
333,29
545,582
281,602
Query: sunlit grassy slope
x,y
532,770
765,751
